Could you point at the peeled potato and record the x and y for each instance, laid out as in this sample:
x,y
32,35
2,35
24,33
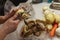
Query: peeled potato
x,y
49,16
49,26
57,18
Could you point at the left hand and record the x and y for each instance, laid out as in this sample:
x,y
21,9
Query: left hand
x,y
6,17
11,24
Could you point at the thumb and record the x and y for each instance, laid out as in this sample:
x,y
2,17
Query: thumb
x,y
17,21
10,14
14,17
14,10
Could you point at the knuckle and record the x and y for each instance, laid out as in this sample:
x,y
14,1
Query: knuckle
x,y
14,23
9,21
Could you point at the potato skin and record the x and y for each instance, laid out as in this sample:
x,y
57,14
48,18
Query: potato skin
x,y
32,27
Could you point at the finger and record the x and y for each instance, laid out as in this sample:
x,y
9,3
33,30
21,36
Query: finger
x,y
15,16
17,21
8,15
14,9
13,12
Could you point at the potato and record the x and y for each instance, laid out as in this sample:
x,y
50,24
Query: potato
x,y
49,16
49,26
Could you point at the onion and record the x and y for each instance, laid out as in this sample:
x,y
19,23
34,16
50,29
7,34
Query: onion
x,y
57,17
45,8
49,16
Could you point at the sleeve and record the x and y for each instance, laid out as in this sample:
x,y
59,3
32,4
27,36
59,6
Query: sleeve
x,y
8,6
2,3
16,2
1,10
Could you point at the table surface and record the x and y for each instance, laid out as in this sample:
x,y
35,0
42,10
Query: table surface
x,y
38,15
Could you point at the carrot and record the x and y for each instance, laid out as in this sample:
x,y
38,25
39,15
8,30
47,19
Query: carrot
x,y
52,33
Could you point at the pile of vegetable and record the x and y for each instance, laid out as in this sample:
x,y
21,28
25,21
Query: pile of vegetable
x,y
52,21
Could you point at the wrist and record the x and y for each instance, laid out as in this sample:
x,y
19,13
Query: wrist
x,y
4,30
2,33
5,17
